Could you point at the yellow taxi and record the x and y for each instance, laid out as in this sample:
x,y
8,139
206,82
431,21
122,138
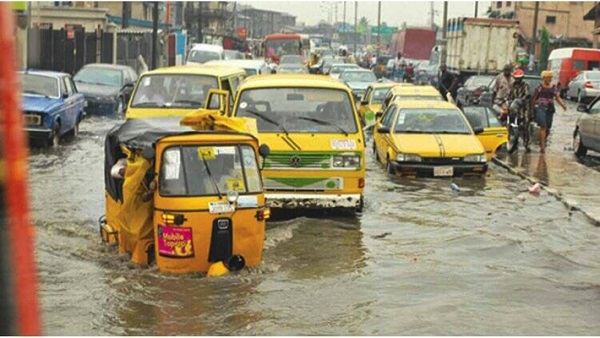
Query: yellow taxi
x,y
317,144
494,135
406,93
428,138
373,99
179,90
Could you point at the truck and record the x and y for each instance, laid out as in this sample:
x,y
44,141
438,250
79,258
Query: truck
x,y
413,43
480,45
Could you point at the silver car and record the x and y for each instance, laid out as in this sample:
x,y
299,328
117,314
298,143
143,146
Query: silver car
x,y
587,130
585,86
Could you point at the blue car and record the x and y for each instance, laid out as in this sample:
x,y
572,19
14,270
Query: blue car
x,y
52,106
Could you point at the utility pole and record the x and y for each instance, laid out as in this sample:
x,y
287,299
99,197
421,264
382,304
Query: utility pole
x,y
154,35
344,25
355,24
125,14
445,28
200,37
534,33
432,14
378,27
476,9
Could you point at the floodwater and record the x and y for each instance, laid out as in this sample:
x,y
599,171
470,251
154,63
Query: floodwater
x,y
421,260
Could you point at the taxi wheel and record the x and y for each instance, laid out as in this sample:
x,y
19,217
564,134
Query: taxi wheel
x,y
388,167
375,152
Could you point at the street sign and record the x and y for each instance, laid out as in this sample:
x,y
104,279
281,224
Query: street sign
x,y
19,5
384,30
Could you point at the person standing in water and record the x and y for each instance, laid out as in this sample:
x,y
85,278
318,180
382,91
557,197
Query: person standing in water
x,y
543,105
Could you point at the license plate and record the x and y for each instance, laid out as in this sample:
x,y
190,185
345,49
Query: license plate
x,y
31,119
443,171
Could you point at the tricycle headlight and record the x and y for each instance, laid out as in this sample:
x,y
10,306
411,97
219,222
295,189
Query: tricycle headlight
x,y
346,161
476,158
408,157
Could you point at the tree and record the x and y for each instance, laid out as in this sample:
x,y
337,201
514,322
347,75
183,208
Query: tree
x,y
545,47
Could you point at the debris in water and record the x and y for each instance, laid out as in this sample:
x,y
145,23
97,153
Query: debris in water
x,y
455,187
521,197
535,189
119,280
383,235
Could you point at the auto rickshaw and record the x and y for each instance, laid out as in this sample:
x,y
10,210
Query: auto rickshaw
x,y
191,196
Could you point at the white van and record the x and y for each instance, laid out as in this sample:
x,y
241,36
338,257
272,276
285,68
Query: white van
x,y
201,53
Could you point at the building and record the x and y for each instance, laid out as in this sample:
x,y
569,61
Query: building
x,y
260,22
594,15
562,19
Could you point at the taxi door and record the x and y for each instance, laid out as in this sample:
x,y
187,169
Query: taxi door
x,y
494,134
382,141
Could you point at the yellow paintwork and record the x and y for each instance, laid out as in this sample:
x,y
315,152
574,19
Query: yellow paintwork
x,y
248,232
390,144
370,106
491,139
307,142
218,71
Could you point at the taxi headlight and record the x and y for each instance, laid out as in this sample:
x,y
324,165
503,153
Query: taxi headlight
x,y
476,158
346,161
408,157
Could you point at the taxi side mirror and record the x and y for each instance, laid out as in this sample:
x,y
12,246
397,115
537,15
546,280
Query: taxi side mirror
x,y
383,130
217,100
478,130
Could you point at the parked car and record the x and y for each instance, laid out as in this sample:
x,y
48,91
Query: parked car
x,y
252,67
52,106
336,69
585,86
107,88
358,80
290,68
586,135
566,63
471,91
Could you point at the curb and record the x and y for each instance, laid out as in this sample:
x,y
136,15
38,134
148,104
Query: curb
x,y
571,205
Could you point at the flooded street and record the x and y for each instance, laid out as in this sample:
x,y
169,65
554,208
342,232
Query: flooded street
x,y
422,260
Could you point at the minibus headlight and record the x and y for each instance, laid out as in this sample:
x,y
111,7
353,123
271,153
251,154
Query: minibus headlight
x,y
346,161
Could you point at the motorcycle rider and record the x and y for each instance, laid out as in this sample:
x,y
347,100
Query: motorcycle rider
x,y
520,92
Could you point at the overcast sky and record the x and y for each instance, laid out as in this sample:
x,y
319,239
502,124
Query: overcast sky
x,y
414,13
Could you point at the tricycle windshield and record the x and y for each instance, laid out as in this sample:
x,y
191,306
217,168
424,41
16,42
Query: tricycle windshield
x,y
209,170
173,91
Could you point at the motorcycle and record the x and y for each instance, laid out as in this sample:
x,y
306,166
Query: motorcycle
x,y
517,124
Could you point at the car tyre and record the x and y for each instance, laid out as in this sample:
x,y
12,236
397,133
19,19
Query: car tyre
x,y
389,168
54,140
75,131
578,147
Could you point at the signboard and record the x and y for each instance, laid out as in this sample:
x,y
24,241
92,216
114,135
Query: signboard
x,y
242,32
384,30
18,5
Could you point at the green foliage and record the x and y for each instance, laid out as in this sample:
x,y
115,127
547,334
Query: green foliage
x,y
545,48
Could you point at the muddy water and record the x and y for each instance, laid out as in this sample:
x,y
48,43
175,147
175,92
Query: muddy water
x,y
420,260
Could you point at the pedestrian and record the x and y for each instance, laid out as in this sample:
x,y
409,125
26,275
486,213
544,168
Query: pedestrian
x,y
447,83
399,65
409,73
503,85
543,105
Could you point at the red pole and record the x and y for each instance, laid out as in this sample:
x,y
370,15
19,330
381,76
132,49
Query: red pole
x,y
15,226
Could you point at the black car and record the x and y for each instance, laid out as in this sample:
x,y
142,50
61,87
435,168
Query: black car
x,y
106,87
472,90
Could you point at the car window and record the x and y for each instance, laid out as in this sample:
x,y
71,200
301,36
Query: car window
x,y
133,75
594,76
477,116
72,85
367,94
64,89
40,85
578,64
388,117
595,108
440,121
126,77
173,91
493,121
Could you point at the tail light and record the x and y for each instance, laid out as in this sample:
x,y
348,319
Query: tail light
x,y
177,219
263,214
588,84
361,183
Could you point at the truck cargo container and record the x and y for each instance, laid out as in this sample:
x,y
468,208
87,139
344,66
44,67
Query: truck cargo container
x,y
413,43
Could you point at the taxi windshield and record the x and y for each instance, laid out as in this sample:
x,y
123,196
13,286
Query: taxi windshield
x,y
438,121
209,171
173,91
412,97
299,110
360,76
378,95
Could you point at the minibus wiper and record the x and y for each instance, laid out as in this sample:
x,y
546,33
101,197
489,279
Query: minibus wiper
x,y
212,178
273,122
325,123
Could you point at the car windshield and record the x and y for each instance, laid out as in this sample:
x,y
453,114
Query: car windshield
x,y
282,47
479,116
39,85
594,76
291,59
250,71
233,55
209,171
413,97
173,91
202,56
300,110
351,76
100,76
478,81
378,95
442,121
339,68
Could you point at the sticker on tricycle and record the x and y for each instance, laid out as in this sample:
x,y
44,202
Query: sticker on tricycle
x,y
175,242
220,207
206,153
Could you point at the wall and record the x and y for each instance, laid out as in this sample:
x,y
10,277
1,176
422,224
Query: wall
x,y
89,18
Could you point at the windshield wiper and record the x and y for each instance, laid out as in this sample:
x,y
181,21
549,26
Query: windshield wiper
x,y
214,182
412,132
324,123
36,93
190,102
149,105
452,132
273,122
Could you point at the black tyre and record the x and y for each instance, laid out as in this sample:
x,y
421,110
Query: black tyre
x,y
389,168
73,133
375,152
578,147
54,140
